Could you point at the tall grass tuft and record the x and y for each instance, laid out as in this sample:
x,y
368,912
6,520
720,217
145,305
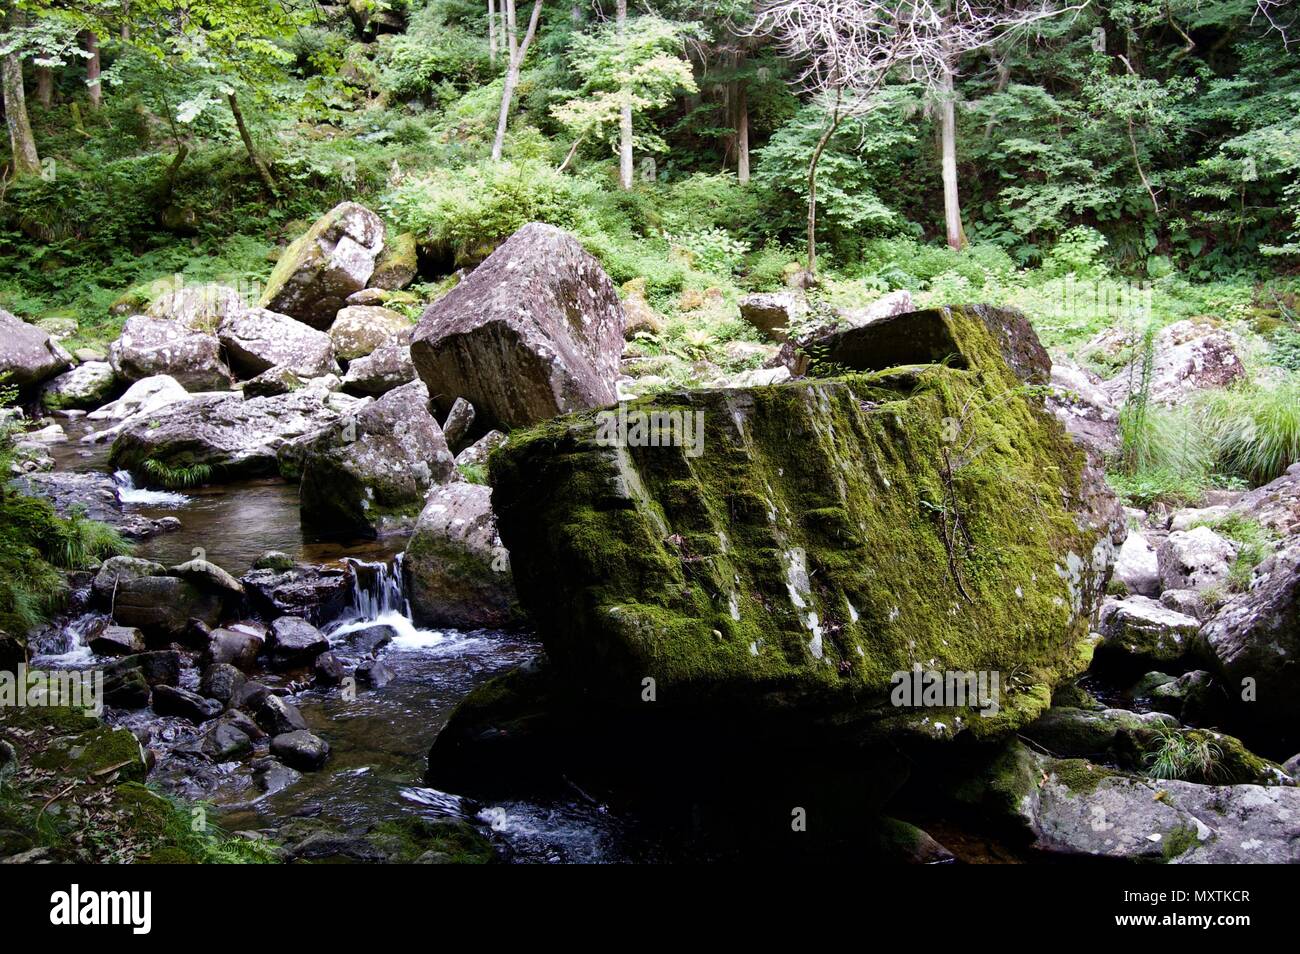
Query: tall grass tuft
x,y
1255,428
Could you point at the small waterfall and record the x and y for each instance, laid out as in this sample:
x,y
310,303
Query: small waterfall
x,y
129,493
379,590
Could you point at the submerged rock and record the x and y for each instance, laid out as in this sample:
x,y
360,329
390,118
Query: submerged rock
x,y
457,571
535,331
370,473
317,273
795,546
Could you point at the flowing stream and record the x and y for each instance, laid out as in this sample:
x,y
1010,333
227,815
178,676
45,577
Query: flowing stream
x,y
380,740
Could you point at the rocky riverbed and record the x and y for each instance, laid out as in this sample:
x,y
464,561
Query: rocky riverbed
x,y
684,627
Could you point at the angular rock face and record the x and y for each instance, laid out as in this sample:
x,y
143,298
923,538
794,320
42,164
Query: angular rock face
x,y
318,594
1138,567
388,366
360,329
535,331
397,265
1085,409
1276,505
257,340
1257,637
28,355
811,539
772,313
156,346
934,336
1195,559
317,273
228,435
84,387
370,473
457,572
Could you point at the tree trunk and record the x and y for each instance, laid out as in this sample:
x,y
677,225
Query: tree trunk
x,y
263,171
45,86
92,71
492,31
519,51
27,161
948,147
624,116
836,119
742,133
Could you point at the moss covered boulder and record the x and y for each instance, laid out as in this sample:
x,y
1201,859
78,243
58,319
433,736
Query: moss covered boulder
x,y
795,546
398,263
317,273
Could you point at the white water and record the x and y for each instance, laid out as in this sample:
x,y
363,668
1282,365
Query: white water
x,y
74,653
379,599
129,493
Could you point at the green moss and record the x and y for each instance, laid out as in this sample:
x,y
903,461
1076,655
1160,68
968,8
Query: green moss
x,y
1179,841
646,561
446,841
1079,775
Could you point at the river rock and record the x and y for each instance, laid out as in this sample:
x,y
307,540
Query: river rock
x,y
118,641
154,346
1187,602
221,681
398,263
317,273
160,667
171,700
276,716
360,329
375,673
457,571
371,472
84,387
535,331
126,689
1137,566
370,640
96,496
1142,634
328,670
271,382
271,776
197,307
294,642
28,355
229,435
1195,559
1188,356
143,397
233,647
317,594
1255,643
783,547
389,366
224,742
301,750
210,577
163,606
258,340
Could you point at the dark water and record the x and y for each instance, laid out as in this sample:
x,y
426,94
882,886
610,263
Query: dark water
x,y
379,741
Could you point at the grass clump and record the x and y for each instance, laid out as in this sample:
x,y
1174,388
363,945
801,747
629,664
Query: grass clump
x,y
1255,428
1191,757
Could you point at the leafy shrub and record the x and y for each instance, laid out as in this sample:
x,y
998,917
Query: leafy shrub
x,y
712,250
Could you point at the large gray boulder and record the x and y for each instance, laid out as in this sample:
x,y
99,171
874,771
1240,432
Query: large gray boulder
x,y
1143,634
1083,406
28,355
773,313
157,346
1256,637
226,436
317,273
533,332
370,472
387,367
1137,566
1276,505
84,387
257,340
457,571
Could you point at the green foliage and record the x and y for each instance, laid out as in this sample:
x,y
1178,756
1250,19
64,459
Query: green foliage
x,y
434,59
177,478
1182,755
1256,427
